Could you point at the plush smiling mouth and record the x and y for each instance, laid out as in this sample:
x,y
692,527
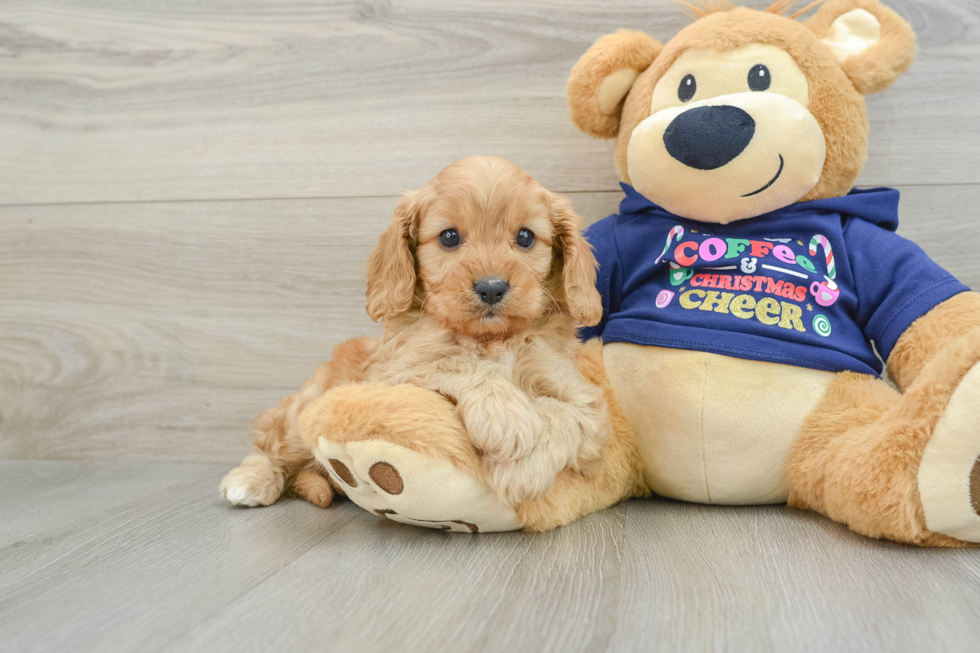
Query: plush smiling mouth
x,y
771,181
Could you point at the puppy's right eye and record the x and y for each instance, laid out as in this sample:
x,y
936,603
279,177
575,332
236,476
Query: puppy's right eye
x,y
449,238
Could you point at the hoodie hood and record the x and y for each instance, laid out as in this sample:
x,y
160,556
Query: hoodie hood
x,y
878,206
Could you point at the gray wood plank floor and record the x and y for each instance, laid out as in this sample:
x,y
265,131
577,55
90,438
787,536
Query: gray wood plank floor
x,y
145,557
188,191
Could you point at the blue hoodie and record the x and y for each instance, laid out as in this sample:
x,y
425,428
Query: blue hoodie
x,y
809,285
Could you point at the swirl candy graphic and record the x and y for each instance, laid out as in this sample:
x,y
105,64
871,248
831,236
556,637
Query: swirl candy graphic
x,y
821,325
675,231
663,299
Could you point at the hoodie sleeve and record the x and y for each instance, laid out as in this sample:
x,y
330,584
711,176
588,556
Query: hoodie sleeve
x,y
602,237
896,282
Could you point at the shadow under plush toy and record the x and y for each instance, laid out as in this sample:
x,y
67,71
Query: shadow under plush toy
x,y
742,282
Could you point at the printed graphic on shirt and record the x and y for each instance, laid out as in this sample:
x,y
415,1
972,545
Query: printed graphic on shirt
x,y
725,275
813,284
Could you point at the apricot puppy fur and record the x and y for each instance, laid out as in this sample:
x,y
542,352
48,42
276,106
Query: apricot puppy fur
x,y
481,281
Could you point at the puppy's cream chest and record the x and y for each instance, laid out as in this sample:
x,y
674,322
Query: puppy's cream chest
x,y
506,358
711,428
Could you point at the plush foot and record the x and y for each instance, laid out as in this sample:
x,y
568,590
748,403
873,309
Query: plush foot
x,y
406,486
256,482
949,474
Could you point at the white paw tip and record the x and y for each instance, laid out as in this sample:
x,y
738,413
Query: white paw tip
x,y
239,495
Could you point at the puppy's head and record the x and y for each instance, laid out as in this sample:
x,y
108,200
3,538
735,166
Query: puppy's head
x,y
485,250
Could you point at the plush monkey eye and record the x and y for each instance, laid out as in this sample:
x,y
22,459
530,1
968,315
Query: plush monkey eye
x,y
688,87
449,238
759,78
525,238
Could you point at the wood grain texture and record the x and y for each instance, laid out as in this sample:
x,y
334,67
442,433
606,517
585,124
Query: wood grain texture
x,y
113,100
143,323
157,331
154,561
167,323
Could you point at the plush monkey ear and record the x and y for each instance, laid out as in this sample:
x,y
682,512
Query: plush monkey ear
x,y
578,264
603,76
391,266
872,43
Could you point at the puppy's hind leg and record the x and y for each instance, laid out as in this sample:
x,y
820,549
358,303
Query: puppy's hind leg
x,y
282,459
312,486
256,482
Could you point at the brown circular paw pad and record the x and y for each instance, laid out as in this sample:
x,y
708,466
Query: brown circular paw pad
x,y
975,486
387,478
343,472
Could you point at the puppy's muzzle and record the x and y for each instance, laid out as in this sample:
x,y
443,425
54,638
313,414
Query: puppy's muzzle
x,y
491,290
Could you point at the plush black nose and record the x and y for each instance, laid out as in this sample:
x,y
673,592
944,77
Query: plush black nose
x,y
709,137
491,290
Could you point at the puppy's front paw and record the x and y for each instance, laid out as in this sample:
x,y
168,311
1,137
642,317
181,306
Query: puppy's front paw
x,y
596,435
525,479
575,436
502,424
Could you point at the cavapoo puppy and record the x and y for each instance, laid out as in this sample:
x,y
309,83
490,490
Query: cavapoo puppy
x,y
481,281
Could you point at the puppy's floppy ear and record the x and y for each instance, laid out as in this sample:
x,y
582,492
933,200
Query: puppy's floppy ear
x,y
391,267
578,264
872,43
603,77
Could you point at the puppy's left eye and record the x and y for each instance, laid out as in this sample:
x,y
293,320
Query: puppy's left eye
x,y
525,238
759,78
449,238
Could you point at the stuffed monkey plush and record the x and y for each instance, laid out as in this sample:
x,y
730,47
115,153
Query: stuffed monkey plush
x,y
743,285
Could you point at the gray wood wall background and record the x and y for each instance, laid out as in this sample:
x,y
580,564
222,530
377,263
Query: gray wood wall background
x,y
188,189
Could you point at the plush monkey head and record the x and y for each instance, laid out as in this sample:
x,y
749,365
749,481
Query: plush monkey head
x,y
744,111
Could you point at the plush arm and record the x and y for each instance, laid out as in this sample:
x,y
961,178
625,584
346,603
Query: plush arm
x,y
932,333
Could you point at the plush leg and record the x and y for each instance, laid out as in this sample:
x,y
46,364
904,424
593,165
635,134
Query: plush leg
x,y
897,465
282,461
401,452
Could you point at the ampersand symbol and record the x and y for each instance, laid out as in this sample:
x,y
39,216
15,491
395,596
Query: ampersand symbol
x,y
748,265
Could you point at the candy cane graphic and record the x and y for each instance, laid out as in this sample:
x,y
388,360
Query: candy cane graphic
x,y
675,231
828,252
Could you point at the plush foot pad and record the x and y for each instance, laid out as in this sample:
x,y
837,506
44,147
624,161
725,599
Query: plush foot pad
x,y
949,474
412,488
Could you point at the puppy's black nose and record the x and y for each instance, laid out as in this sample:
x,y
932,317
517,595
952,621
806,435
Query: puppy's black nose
x,y
709,137
491,290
